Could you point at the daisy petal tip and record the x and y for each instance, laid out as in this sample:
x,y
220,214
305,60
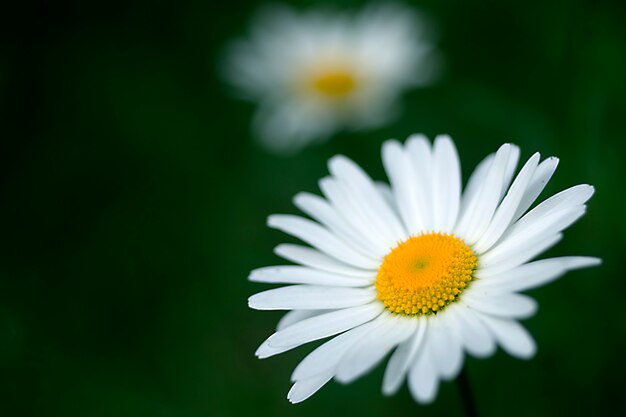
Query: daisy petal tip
x,y
290,396
595,262
526,356
261,351
324,183
253,302
266,350
335,162
418,137
390,145
579,262
265,355
425,398
525,353
530,313
343,379
389,390
443,138
592,261
553,160
293,397
272,220
279,249
298,198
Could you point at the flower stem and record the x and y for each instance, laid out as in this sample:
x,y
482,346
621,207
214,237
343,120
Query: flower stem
x,y
463,384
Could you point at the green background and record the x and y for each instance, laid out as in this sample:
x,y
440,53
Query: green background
x,y
133,204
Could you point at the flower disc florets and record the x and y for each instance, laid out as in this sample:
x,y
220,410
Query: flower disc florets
x,y
425,273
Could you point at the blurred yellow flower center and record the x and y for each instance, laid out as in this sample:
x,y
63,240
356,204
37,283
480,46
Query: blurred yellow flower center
x,y
334,84
424,274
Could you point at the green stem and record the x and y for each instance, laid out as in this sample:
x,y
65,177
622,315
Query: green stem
x,y
463,384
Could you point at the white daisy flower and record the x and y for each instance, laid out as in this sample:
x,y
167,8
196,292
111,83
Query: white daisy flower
x,y
417,266
314,73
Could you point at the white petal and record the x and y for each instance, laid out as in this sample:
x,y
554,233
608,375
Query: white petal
x,y
504,214
402,358
490,266
500,304
510,168
323,212
265,350
319,237
362,187
477,216
304,388
404,185
572,197
372,348
542,175
423,379
295,316
310,297
291,274
512,336
315,259
534,274
327,356
325,325
475,182
540,230
385,191
352,213
420,157
473,334
446,184
447,351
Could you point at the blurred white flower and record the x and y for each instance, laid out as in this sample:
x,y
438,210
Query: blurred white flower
x,y
314,73
419,267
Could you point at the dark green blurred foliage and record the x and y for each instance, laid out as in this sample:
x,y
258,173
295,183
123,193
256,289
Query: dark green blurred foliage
x,y
133,205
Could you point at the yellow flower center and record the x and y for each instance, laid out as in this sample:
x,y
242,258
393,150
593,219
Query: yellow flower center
x,y
424,274
334,83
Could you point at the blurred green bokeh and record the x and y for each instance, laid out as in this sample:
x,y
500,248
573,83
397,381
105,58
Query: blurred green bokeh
x,y
133,204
